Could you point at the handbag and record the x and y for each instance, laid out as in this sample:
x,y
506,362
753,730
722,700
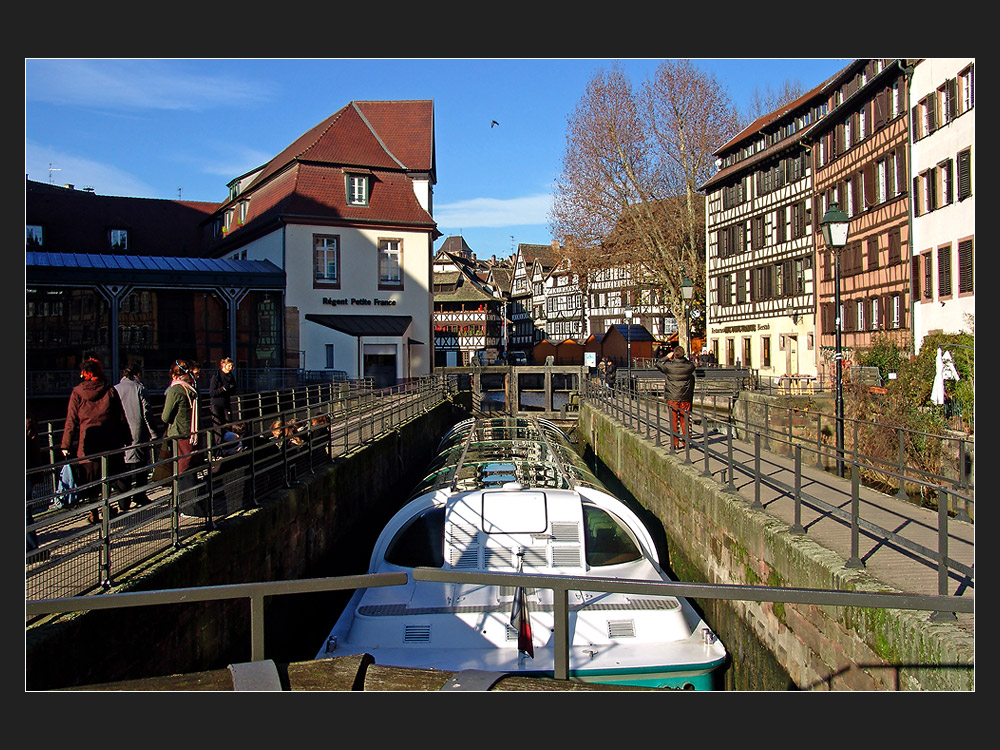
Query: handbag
x,y
164,465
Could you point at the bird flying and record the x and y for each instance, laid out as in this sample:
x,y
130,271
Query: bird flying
x,y
494,123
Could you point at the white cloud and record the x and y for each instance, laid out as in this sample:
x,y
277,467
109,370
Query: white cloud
x,y
73,170
134,84
494,212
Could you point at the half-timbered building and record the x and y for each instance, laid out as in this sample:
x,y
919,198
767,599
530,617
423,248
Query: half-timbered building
x,y
760,274
860,162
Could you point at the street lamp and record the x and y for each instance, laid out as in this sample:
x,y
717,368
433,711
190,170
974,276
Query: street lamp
x,y
628,343
835,225
687,292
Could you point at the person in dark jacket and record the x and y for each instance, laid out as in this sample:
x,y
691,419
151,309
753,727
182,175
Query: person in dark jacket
x,y
96,422
220,392
679,391
145,426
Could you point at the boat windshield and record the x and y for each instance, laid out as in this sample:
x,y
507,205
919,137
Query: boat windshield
x,y
421,542
608,542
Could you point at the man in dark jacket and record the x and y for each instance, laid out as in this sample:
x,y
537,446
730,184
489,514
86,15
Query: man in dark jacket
x,y
679,390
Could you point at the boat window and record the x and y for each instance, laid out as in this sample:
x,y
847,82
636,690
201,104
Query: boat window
x,y
608,542
420,543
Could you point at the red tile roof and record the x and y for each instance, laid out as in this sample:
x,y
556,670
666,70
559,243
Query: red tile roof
x,y
390,135
387,140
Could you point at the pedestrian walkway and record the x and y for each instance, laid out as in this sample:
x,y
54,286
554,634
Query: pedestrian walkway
x,y
898,540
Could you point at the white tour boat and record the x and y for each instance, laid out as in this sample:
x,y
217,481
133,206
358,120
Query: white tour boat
x,y
510,495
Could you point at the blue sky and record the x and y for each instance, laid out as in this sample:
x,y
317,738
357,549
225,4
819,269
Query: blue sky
x,y
163,128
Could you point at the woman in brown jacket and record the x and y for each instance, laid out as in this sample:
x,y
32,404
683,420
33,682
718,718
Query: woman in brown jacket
x,y
95,423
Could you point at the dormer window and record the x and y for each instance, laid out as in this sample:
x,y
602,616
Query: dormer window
x,y
357,189
119,239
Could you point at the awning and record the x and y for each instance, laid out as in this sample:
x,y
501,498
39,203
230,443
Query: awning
x,y
364,325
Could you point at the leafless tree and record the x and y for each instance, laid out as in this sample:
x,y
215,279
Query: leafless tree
x,y
766,100
628,192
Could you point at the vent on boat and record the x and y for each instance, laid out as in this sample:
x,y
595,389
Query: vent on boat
x,y
621,629
566,557
565,532
417,634
463,546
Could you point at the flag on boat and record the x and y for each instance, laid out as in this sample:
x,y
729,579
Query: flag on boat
x,y
519,618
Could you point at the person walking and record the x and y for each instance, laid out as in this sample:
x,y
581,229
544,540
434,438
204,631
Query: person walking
x,y
220,391
602,371
610,374
679,391
144,425
180,415
96,422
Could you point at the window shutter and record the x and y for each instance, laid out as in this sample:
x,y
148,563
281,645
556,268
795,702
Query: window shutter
x,y
964,174
869,176
965,267
915,276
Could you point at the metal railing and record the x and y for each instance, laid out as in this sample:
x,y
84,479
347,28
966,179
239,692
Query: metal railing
x,y
560,586
288,434
659,421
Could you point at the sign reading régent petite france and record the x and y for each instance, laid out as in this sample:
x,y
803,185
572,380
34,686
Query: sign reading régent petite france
x,y
359,301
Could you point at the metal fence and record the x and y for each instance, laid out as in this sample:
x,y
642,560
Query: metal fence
x,y
256,593
287,434
660,422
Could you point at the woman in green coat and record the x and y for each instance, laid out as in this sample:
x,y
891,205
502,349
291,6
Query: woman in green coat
x,y
180,415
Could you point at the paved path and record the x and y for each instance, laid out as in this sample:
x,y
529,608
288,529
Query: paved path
x,y
902,554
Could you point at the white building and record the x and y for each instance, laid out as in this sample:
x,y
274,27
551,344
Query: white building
x,y
943,132
346,210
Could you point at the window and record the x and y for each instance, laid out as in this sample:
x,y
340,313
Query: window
x,y
765,351
947,189
357,189
33,235
389,273
896,311
799,220
965,266
859,316
746,351
118,239
944,271
780,234
967,92
329,356
326,261
928,276
875,314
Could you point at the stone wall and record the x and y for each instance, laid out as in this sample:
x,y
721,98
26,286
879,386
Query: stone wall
x,y
715,537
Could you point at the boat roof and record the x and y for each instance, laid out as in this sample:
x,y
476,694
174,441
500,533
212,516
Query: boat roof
x,y
480,454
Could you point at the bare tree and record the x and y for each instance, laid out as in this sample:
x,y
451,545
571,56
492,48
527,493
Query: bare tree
x,y
767,100
634,161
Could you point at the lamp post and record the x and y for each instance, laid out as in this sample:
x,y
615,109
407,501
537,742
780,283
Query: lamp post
x,y
628,343
835,225
687,292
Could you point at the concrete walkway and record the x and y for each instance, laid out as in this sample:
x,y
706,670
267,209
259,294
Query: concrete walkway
x,y
901,553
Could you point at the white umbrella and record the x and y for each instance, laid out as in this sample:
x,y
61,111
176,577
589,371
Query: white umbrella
x,y
937,390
